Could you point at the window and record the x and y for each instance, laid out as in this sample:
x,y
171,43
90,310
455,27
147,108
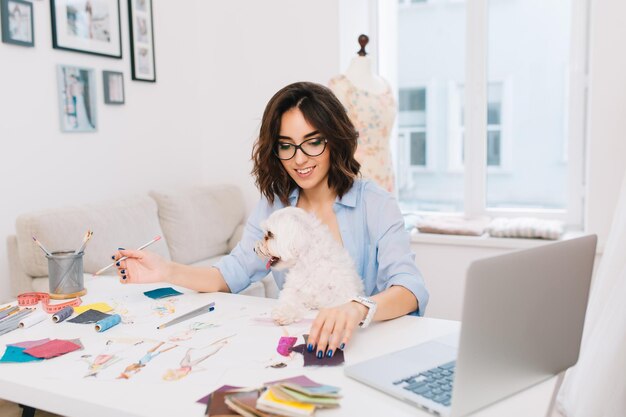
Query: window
x,y
494,126
503,105
412,125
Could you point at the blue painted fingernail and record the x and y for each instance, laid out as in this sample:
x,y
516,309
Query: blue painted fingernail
x,y
121,249
310,347
320,354
123,271
343,345
113,257
123,276
117,264
330,354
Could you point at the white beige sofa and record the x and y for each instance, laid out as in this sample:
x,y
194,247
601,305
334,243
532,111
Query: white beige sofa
x,y
198,225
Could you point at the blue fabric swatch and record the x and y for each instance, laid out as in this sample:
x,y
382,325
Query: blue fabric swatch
x,y
162,293
16,354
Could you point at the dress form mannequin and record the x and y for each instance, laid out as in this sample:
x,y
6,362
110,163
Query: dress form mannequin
x,y
361,74
369,101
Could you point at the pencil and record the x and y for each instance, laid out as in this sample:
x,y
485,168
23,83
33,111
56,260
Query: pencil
x,y
43,248
123,258
86,239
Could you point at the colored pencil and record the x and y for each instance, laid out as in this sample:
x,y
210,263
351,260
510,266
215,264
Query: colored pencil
x,y
86,239
43,248
193,313
123,258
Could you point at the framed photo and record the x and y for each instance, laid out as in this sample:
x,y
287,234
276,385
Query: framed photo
x,y
88,26
17,22
141,40
113,87
77,99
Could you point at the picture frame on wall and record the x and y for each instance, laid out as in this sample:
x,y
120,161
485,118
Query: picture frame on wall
x,y
17,22
87,26
77,98
113,87
143,67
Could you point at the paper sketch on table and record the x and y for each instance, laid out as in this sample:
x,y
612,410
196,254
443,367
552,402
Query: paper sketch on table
x,y
135,367
111,353
187,364
152,311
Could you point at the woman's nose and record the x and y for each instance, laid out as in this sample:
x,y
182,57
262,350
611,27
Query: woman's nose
x,y
300,156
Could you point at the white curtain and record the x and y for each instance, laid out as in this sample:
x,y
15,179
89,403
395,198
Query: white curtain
x,y
596,386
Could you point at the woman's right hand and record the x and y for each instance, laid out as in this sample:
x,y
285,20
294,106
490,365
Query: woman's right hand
x,y
141,267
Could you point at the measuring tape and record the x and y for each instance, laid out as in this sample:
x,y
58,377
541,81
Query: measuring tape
x,y
33,298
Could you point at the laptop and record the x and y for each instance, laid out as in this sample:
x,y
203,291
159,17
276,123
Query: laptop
x,y
523,317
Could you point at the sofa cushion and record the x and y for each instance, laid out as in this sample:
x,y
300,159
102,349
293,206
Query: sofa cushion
x,y
128,222
198,222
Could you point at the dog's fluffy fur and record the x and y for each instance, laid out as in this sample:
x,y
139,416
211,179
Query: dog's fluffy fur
x,y
320,273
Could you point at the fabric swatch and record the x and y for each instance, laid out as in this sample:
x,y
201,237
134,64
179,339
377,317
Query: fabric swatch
x,y
162,293
29,343
88,317
301,380
310,358
53,348
285,344
16,354
102,307
205,399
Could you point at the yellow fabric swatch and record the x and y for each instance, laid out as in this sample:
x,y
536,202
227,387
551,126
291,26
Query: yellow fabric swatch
x,y
269,398
102,307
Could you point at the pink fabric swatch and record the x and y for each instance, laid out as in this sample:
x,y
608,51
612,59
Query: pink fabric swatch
x,y
52,349
285,344
29,343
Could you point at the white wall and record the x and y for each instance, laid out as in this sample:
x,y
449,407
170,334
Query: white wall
x,y
217,65
252,50
149,142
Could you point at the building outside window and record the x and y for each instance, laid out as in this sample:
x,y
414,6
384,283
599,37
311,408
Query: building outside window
x,y
504,154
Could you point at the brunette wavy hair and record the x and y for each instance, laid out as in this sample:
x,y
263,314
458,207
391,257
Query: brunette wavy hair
x,y
322,110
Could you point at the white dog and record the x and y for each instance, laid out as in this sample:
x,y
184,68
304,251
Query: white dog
x,y
320,274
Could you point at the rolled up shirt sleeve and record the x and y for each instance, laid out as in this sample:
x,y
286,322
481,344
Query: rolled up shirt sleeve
x,y
396,261
242,266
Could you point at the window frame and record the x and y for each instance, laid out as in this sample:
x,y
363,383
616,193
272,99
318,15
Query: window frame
x,y
476,70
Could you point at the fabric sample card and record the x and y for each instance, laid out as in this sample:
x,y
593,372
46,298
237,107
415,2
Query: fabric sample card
x,y
162,293
102,307
88,317
310,358
301,380
206,398
29,343
52,349
16,354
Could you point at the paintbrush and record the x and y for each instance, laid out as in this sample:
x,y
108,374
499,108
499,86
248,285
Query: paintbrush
x,y
43,248
86,239
123,258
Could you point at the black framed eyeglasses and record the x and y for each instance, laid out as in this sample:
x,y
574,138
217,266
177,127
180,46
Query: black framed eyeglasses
x,y
310,147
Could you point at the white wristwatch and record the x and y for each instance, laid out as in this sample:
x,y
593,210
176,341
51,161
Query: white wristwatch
x,y
371,309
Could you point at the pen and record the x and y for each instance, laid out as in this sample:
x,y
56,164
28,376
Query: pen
x,y
123,258
193,313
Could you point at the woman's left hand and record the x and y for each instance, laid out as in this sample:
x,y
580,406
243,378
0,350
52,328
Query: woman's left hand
x,y
333,328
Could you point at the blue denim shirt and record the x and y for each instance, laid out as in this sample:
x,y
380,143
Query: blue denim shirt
x,y
372,230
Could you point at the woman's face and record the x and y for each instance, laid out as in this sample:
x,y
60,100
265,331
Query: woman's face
x,y
309,172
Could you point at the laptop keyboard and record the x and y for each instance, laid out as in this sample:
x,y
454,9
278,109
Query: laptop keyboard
x,y
434,384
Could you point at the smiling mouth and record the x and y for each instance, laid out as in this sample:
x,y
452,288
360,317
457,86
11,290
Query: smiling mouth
x,y
271,262
305,171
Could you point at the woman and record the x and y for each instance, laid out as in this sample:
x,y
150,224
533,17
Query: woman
x,y
304,157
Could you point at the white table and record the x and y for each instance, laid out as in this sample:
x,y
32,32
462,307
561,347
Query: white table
x,y
32,384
